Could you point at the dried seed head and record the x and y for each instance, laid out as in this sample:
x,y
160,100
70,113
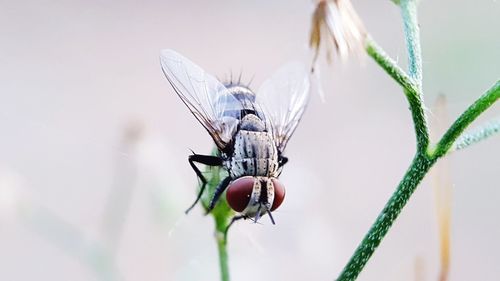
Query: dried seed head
x,y
338,21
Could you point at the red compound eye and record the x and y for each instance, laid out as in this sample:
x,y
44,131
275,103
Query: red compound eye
x,y
279,194
239,192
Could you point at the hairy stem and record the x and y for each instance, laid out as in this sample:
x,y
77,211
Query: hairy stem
x,y
412,85
411,90
419,121
424,159
389,65
412,38
469,115
411,30
417,171
414,175
478,134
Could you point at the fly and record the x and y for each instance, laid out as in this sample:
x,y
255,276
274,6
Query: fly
x,y
250,130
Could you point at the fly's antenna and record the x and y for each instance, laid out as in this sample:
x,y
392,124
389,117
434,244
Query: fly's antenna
x,y
257,217
270,216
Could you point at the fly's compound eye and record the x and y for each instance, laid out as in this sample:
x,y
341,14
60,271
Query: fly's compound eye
x,y
243,190
279,194
238,194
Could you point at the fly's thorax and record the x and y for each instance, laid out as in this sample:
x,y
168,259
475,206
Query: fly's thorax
x,y
254,154
243,102
252,122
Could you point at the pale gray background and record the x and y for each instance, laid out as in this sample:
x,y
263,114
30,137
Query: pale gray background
x,y
74,74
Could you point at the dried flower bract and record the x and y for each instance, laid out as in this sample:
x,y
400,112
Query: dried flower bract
x,y
338,21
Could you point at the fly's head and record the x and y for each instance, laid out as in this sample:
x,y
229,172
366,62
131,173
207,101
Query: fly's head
x,y
255,196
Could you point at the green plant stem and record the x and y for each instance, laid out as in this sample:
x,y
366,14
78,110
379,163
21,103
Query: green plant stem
x,y
412,82
220,227
411,90
419,121
222,214
478,134
469,115
421,164
389,65
418,169
424,158
414,175
411,30
412,38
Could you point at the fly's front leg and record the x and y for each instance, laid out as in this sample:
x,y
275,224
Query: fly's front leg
x,y
218,192
282,160
208,160
235,218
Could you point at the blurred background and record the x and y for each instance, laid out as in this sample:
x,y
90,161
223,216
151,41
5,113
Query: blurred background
x,y
94,178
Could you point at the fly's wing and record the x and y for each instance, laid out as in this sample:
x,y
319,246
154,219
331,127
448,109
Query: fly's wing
x,y
203,94
283,99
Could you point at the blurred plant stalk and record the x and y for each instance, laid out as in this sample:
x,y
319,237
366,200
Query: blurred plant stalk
x,y
442,185
122,189
99,255
69,238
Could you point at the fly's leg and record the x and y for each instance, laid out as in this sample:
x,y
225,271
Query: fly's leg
x,y
218,192
235,218
208,160
282,160
270,216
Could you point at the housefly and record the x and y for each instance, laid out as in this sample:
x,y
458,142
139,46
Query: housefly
x,y
251,130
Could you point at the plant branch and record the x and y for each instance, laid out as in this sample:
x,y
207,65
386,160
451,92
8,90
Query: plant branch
x,y
411,30
412,38
412,84
477,135
419,121
414,175
424,159
389,65
411,90
469,115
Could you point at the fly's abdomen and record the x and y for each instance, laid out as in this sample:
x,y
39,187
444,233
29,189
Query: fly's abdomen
x,y
255,154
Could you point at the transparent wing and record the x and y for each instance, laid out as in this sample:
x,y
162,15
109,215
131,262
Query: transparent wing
x,y
283,99
203,94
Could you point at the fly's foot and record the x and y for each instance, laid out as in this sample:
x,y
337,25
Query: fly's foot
x,y
235,218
